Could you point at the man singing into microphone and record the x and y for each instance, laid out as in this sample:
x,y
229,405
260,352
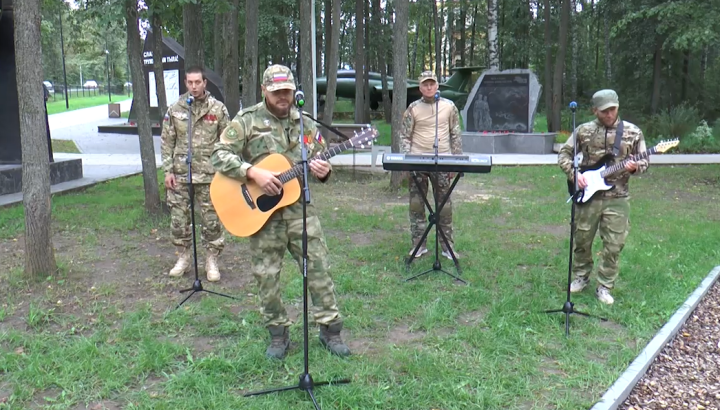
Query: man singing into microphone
x,y
273,126
209,118
608,211
417,136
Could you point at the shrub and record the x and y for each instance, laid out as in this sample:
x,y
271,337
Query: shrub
x,y
676,122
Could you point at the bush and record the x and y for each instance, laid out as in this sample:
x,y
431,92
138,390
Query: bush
x,y
700,141
676,122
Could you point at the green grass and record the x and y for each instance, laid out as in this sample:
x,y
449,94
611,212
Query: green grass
x,y
77,102
65,146
104,330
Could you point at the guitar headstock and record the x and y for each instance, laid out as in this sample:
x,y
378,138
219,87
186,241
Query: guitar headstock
x,y
365,138
663,146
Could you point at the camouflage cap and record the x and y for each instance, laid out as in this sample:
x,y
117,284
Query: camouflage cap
x,y
427,75
604,99
278,77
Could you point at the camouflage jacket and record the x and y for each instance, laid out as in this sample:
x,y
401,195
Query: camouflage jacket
x,y
254,133
595,141
210,117
418,127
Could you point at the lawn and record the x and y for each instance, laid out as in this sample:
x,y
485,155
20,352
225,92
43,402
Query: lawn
x,y
76,102
104,331
68,146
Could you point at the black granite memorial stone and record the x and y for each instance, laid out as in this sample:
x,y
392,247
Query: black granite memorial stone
x,y
10,148
500,104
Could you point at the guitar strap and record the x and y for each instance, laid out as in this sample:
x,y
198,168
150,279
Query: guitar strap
x,y
618,138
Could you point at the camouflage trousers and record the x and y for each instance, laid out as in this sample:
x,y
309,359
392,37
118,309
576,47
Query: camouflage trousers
x,y
179,202
611,217
267,248
418,222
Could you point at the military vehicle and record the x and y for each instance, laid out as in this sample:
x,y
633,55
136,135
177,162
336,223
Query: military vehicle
x,y
454,89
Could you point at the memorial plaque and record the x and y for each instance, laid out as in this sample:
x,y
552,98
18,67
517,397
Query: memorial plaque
x,y
502,102
10,148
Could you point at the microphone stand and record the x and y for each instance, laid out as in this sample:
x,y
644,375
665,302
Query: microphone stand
x,y
197,284
569,307
306,382
434,217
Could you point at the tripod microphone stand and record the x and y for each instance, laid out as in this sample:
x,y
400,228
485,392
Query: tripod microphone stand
x,y
197,284
306,382
434,216
569,307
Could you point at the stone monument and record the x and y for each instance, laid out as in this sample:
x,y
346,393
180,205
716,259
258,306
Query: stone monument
x,y
10,142
173,59
499,114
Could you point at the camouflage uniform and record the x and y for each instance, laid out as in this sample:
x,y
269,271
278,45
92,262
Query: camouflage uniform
x,y
210,117
608,211
441,181
253,134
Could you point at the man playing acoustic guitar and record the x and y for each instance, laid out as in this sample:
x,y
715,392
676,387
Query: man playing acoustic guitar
x,y
609,210
273,126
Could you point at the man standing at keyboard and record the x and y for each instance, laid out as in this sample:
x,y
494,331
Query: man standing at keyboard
x,y
417,136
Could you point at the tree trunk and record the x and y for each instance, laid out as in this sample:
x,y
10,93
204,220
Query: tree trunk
x,y
39,254
685,75
328,36
413,66
463,36
156,26
492,33
574,26
657,79
231,60
333,58
359,61
193,35
399,102
142,107
436,29
548,68
381,57
608,64
250,64
306,75
560,65
472,35
318,42
218,44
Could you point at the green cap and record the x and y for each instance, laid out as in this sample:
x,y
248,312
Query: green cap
x,y
278,77
604,99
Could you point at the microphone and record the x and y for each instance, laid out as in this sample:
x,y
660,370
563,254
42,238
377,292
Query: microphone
x,y
573,106
300,98
190,100
437,95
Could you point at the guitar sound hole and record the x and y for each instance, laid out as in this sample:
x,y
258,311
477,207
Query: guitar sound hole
x,y
267,202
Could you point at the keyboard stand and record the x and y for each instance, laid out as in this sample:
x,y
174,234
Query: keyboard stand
x,y
433,219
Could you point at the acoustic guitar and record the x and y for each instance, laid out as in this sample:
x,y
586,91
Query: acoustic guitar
x,y
244,208
596,173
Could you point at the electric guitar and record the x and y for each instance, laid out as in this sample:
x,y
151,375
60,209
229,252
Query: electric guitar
x,y
244,208
596,173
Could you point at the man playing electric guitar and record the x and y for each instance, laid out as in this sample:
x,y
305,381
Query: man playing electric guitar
x,y
609,210
273,126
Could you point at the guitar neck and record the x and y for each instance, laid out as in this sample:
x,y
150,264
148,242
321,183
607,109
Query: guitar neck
x,y
621,165
297,169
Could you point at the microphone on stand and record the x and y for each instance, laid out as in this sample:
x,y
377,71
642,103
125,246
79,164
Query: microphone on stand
x,y
299,98
573,106
437,95
190,100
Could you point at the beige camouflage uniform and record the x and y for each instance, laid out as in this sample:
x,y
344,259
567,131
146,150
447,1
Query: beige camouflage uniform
x,y
608,211
419,114
253,134
210,117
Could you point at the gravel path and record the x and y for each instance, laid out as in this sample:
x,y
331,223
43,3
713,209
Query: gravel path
x,y
686,374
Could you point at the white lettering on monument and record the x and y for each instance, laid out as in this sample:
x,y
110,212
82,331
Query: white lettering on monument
x,y
168,59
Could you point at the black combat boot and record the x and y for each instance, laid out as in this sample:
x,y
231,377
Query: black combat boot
x,y
330,338
280,341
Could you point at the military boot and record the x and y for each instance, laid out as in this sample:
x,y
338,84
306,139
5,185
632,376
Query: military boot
x,y
330,338
279,341
182,264
213,274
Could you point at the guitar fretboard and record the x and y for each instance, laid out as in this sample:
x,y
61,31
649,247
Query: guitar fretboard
x,y
297,170
621,165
